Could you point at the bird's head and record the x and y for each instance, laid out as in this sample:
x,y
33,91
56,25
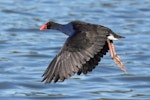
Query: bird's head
x,y
48,25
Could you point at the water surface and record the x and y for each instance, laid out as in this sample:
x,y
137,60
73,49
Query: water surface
x,y
25,51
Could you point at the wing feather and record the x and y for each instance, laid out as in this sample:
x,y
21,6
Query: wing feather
x,y
80,54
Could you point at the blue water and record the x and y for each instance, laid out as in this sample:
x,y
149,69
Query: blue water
x,y
25,51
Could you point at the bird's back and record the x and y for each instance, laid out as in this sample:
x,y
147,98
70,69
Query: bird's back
x,y
93,29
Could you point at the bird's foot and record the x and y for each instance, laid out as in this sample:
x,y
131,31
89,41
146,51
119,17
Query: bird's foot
x,y
118,61
114,55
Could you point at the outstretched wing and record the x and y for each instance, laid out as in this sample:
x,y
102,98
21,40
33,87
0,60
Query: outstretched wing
x,y
91,64
77,51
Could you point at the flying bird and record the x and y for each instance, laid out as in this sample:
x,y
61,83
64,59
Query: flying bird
x,y
85,46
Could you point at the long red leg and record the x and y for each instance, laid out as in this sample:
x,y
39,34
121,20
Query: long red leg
x,y
114,55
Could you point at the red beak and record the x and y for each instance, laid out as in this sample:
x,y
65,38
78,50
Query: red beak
x,y
44,27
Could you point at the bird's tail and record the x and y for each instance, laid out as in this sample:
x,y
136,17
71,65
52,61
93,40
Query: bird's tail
x,y
117,36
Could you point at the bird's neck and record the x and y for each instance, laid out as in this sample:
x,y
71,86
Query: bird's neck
x,y
67,28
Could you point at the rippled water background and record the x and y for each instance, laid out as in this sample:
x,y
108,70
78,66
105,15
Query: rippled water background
x,y
25,51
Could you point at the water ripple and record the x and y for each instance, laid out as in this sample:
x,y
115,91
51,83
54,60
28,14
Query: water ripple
x,y
26,51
